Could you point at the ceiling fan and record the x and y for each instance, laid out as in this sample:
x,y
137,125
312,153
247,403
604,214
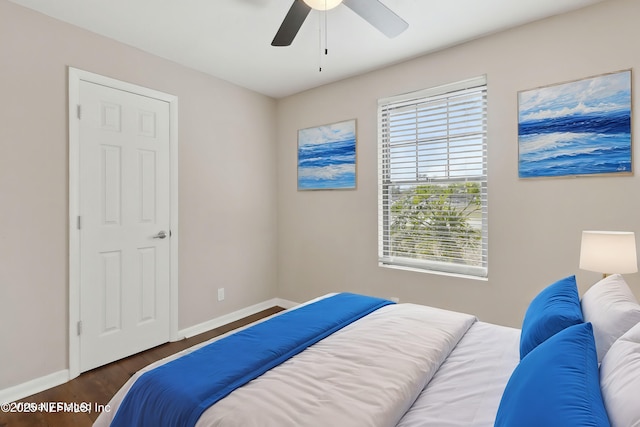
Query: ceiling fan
x,y
372,11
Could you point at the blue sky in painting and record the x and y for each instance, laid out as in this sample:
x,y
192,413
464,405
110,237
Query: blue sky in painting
x,y
576,128
327,156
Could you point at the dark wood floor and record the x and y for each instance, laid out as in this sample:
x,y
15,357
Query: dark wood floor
x,y
96,387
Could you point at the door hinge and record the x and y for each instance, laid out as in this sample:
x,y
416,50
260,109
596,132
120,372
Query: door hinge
x,y
79,111
79,327
79,222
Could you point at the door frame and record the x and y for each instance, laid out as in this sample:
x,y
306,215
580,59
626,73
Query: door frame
x,y
75,77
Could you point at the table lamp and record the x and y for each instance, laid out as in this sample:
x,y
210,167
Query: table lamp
x,y
608,252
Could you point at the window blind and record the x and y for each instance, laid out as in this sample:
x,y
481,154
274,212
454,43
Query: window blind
x,y
432,208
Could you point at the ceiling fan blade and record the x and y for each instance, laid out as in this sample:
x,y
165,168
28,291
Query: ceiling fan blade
x,y
378,15
291,24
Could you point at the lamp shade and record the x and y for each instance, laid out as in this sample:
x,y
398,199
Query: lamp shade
x,y
609,252
322,4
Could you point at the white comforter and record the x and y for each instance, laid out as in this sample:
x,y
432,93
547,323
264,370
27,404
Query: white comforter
x,y
367,374
466,390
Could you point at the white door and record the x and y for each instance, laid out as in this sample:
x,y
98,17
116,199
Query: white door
x,y
124,206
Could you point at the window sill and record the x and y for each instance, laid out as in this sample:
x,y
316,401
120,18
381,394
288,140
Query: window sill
x,y
434,272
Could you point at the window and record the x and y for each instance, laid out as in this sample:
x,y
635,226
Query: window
x,y
432,207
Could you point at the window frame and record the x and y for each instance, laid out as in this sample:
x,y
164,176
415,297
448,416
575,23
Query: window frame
x,y
412,100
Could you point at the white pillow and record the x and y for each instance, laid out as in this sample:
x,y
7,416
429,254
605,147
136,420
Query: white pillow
x,y
620,380
612,310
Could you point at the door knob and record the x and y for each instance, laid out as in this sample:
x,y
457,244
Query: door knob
x,y
161,235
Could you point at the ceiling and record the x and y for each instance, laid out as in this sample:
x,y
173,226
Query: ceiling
x,y
230,39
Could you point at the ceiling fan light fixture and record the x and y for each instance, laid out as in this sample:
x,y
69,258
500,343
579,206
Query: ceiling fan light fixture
x,y
372,11
322,4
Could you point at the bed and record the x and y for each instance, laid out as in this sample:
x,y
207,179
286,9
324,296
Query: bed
x,y
363,361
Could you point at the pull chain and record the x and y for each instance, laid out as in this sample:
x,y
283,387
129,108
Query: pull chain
x,y
326,37
326,32
320,43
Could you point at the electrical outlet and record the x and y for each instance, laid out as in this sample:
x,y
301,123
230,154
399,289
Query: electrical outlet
x,y
220,294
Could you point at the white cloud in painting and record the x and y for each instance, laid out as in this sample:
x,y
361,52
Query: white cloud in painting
x,y
330,133
598,94
580,109
326,172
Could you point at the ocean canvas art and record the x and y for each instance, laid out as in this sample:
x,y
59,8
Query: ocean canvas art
x,y
327,157
576,128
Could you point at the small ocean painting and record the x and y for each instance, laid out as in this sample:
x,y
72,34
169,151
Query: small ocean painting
x,y
327,157
577,128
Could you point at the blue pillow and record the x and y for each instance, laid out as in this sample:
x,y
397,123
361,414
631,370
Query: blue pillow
x,y
555,308
556,385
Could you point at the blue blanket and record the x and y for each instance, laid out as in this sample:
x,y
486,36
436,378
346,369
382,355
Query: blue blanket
x,y
178,392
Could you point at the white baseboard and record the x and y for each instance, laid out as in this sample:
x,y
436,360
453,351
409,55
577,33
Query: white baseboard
x,y
37,385
232,317
285,303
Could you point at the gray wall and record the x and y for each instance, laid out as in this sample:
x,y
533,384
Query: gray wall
x,y
227,186
243,224
328,240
